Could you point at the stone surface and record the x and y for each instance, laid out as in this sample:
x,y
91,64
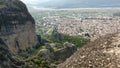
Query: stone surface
x,y
17,27
50,45
8,60
65,52
59,54
102,53
45,53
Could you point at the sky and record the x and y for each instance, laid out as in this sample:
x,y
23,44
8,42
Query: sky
x,y
72,3
34,1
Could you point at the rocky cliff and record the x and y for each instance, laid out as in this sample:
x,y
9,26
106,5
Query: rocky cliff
x,y
17,27
7,59
102,53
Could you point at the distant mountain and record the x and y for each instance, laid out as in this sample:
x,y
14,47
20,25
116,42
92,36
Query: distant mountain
x,y
80,3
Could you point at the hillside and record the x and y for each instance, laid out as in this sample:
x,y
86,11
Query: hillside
x,y
80,3
102,53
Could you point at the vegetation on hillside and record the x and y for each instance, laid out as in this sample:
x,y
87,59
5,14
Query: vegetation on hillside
x,y
79,41
33,60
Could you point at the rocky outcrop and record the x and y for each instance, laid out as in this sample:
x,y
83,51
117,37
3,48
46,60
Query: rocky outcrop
x,y
66,52
60,54
8,60
57,35
45,53
17,27
102,53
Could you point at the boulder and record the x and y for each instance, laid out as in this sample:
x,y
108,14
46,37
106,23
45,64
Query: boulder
x,y
47,46
50,45
67,45
66,52
45,53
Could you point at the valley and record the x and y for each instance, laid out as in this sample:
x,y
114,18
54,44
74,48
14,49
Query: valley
x,y
80,21
33,37
78,27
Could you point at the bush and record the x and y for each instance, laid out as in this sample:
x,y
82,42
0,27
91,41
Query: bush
x,y
36,62
79,41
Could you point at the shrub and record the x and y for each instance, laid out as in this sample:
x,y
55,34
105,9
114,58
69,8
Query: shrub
x,y
36,62
79,41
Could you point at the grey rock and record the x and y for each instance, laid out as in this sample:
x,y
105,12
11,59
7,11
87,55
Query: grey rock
x,y
7,59
67,45
64,53
45,53
50,45
53,45
47,46
17,26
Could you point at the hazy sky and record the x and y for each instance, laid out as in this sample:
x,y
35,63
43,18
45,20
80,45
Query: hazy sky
x,y
73,3
34,1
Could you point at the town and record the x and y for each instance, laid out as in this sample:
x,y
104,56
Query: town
x,y
87,22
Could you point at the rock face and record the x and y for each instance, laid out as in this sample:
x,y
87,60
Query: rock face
x,y
57,35
65,52
7,60
17,27
45,53
102,53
